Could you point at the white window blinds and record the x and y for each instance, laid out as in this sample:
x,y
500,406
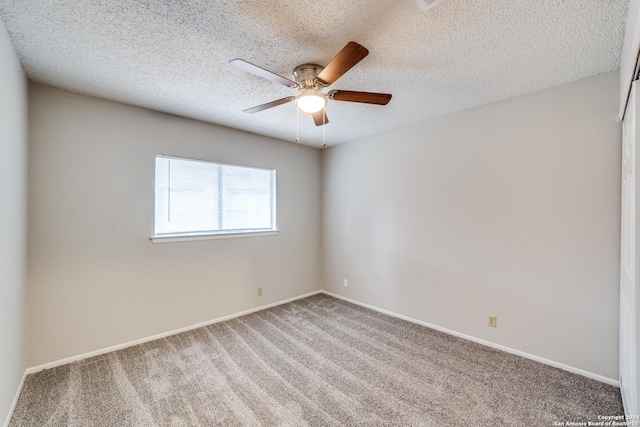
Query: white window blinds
x,y
194,197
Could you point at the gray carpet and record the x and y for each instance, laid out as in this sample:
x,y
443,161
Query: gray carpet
x,y
318,361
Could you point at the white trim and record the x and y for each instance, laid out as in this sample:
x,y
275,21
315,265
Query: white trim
x,y
629,58
169,156
15,400
189,237
562,366
105,350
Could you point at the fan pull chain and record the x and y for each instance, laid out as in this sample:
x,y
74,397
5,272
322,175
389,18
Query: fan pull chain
x,y
324,116
297,125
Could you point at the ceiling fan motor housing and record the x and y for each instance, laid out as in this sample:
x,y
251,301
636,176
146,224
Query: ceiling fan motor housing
x,y
305,75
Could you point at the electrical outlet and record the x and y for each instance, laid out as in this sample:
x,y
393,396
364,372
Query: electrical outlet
x,y
259,291
493,321
346,283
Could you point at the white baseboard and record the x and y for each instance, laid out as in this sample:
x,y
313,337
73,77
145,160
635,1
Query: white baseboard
x,y
105,350
83,356
555,364
15,400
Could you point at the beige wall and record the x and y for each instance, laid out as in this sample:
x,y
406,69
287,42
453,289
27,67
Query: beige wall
x,y
13,223
95,279
509,209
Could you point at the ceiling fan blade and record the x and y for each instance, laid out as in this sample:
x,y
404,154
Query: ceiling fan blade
x,y
320,118
349,56
271,104
261,72
365,97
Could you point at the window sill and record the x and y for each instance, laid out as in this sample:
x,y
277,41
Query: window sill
x,y
190,237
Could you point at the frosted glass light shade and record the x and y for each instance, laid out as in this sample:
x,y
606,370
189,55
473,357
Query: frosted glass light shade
x,y
311,101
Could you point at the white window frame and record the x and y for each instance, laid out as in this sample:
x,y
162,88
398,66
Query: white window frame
x,y
215,234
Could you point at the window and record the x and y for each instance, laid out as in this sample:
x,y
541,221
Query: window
x,y
198,198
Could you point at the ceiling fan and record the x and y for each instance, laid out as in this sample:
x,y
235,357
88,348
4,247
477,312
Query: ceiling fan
x,y
310,79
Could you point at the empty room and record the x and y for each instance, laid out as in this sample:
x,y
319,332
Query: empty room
x,y
367,213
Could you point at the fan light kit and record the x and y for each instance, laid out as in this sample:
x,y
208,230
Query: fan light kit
x,y
311,79
311,101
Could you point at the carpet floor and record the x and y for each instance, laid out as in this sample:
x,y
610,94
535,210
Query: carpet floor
x,y
318,361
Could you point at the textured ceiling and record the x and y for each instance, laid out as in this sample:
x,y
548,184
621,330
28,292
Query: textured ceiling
x,y
172,55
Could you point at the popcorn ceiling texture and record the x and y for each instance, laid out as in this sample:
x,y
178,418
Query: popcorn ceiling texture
x,y
172,55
